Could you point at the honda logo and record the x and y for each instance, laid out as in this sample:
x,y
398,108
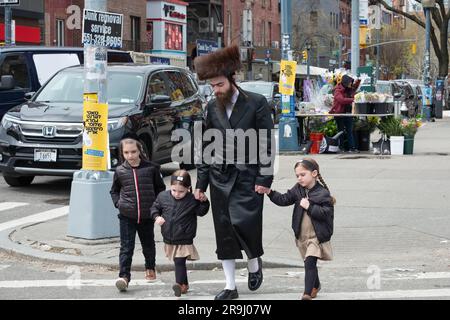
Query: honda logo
x,y
49,132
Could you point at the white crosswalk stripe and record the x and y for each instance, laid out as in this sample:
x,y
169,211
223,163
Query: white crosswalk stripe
x,y
39,217
4,266
11,205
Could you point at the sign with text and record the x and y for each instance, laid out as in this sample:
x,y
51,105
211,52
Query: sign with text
x,y
205,47
102,29
9,3
288,69
95,133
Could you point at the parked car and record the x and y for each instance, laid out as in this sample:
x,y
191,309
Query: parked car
x,y
26,69
270,91
409,97
206,92
144,101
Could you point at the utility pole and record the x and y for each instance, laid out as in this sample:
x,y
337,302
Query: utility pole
x,y
8,20
288,134
427,6
355,36
91,210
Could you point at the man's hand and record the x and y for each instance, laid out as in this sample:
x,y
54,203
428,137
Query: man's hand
x,y
262,189
200,195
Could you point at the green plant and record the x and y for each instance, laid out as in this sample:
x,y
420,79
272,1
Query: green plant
x,y
317,124
368,124
330,128
391,126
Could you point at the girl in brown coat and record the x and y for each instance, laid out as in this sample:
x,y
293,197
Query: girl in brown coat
x,y
312,220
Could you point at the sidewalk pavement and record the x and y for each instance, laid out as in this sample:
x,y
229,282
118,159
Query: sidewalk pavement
x,y
391,210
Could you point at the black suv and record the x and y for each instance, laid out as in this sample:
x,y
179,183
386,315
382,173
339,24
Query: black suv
x,y
144,101
25,69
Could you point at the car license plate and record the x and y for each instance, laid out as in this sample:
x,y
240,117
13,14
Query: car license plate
x,y
45,155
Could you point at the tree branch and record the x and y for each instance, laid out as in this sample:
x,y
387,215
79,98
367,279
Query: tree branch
x,y
436,17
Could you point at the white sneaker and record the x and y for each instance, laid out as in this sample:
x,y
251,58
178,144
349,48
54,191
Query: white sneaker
x,y
122,284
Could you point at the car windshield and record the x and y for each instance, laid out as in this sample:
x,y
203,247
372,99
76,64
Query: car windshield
x,y
383,88
262,88
68,86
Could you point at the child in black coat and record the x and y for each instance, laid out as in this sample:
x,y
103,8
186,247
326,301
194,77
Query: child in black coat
x,y
176,211
136,184
312,220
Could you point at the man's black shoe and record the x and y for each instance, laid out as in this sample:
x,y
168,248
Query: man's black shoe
x,y
227,295
255,279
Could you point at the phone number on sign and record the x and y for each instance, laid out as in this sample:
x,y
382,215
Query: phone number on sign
x,y
102,40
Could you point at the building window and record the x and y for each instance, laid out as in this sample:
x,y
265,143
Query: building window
x,y
59,33
270,32
174,36
263,3
136,33
264,35
150,34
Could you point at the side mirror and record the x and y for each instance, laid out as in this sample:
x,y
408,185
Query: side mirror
x,y
277,96
397,95
160,100
7,82
29,95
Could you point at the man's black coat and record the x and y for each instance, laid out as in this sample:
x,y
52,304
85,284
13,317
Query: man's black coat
x,y
236,207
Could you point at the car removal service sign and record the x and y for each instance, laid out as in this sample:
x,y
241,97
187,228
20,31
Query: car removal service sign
x,y
95,134
102,29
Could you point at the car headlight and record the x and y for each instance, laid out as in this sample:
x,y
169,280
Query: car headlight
x,y
114,124
8,122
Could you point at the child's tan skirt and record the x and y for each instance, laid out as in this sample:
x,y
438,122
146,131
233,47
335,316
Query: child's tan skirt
x,y
181,251
309,245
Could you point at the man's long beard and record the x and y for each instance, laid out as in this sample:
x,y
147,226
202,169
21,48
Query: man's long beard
x,y
224,99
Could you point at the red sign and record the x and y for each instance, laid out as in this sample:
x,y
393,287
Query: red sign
x,y
174,36
170,11
23,34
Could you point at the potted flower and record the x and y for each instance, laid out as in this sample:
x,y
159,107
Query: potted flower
x,y
410,127
392,128
316,126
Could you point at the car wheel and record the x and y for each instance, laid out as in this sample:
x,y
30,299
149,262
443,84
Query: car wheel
x,y
18,181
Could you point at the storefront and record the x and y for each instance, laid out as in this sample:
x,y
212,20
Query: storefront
x,y
166,28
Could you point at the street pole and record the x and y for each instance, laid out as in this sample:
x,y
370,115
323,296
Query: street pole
x,y
8,19
288,134
308,47
91,213
377,72
427,6
355,36
339,51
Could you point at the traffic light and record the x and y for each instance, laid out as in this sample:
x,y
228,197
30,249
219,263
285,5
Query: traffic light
x,y
305,55
413,48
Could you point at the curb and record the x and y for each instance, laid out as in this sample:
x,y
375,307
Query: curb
x,y
23,251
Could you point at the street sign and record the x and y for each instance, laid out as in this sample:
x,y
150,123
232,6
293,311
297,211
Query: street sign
x,y
205,47
9,3
102,29
267,59
363,12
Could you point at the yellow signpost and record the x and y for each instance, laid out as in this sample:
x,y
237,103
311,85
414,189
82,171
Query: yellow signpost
x,y
95,133
288,69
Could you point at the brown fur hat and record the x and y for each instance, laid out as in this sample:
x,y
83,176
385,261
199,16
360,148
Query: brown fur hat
x,y
223,62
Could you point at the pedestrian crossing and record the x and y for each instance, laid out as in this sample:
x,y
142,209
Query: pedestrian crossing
x,y
11,205
35,218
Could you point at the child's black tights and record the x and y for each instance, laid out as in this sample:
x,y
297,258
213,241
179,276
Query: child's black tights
x,y
311,274
180,271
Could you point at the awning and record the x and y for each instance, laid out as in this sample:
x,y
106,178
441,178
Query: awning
x,y
24,34
301,69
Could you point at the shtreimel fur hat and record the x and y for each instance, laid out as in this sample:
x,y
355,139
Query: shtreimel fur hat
x,y
224,62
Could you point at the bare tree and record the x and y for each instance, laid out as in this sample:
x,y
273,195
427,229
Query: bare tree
x,y
439,29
